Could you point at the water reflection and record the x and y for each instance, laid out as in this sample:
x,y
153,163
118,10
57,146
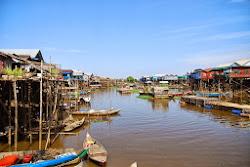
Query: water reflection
x,y
160,104
223,117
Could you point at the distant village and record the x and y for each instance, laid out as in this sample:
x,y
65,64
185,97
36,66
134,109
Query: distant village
x,y
235,75
33,91
29,61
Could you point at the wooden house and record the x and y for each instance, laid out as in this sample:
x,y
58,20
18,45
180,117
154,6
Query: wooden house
x,y
206,73
26,59
67,74
5,61
242,70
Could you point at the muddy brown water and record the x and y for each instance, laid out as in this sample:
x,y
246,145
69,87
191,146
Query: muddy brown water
x,y
161,133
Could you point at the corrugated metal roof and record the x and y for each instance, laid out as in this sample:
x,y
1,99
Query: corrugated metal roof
x,y
208,69
243,61
77,72
225,65
31,52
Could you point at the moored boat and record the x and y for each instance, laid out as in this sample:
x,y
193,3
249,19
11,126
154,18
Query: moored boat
x,y
62,160
86,98
133,164
211,94
96,112
80,164
97,153
74,125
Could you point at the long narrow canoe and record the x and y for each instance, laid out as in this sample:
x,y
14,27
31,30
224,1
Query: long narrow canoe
x,y
80,164
133,164
74,125
97,153
63,160
210,94
96,112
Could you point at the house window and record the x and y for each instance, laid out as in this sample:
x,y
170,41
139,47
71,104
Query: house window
x,y
246,71
204,74
211,74
235,71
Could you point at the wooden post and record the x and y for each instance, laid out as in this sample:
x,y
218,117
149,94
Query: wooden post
x,y
9,103
241,90
55,102
16,114
50,109
29,111
47,103
41,108
77,96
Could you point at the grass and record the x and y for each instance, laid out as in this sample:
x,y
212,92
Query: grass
x,y
114,87
135,91
177,97
144,97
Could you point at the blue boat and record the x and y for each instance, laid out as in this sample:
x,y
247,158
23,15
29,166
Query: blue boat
x,y
210,94
63,159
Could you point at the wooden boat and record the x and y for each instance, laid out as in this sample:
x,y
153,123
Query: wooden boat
x,y
96,112
133,164
97,153
245,115
80,164
86,98
210,94
69,120
74,125
62,160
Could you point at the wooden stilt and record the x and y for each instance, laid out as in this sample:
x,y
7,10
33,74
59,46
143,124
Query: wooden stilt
x,y
9,107
48,140
41,108
241,90
16,115
29,111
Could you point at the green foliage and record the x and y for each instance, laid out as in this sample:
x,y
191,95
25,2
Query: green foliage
x,y
114,87
135,91
130,79
16,71
144,97
9,71
164,85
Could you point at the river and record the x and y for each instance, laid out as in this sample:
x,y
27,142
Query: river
x,y
159,133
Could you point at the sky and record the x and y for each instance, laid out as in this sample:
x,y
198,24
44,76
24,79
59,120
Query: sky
x,y
124,38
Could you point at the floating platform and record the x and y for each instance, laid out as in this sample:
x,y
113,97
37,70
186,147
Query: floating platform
x,y
221,105
215,103
197,100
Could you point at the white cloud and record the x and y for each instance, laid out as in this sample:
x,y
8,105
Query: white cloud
x,y
232,35
213,60
191,28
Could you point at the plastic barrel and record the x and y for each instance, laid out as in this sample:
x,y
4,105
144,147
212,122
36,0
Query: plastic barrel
x,y
236,111
208,107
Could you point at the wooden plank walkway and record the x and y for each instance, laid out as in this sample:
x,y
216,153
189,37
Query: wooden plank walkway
x,y
228,106
197,100
215,103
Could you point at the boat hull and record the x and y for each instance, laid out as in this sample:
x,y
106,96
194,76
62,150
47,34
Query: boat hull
x,y
210,94
97,113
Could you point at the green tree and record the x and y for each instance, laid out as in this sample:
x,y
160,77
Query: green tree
x,y
130,79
